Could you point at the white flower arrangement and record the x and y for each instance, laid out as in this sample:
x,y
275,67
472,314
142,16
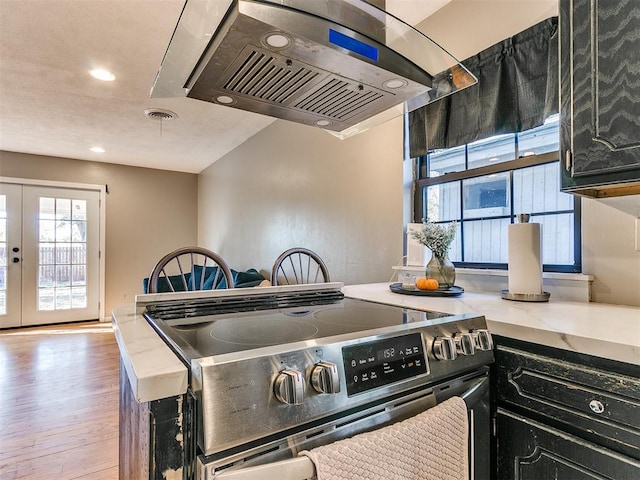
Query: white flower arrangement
x,y
436,236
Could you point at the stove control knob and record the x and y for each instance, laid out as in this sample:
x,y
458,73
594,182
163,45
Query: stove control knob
x,y
465,344
482,339
444,348
324,378
289,387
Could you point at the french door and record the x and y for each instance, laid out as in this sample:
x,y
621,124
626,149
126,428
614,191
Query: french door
x,y
49,255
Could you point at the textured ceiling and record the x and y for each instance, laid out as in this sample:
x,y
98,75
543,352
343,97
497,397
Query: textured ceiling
x,y
49,105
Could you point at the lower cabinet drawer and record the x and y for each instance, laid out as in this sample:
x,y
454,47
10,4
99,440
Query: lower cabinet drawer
x,y
603,406
529,450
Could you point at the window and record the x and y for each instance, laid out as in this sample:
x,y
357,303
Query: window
x,y
483,186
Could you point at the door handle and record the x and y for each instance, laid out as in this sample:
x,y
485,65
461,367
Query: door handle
x,y
15,259
15,249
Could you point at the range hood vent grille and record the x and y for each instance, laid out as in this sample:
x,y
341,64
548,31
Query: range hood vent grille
x,y
338,99
264,77
269,77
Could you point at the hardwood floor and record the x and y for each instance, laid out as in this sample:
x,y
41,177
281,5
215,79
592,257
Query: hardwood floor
x,y
59,402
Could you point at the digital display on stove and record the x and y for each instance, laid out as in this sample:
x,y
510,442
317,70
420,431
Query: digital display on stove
x,y
382,362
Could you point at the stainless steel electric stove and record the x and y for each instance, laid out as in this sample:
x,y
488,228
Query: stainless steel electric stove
x,y
279,369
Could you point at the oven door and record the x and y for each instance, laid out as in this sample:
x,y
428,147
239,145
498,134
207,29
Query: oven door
x,y
277,460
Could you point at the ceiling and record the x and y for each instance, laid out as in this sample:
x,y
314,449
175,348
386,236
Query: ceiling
x,y
50,105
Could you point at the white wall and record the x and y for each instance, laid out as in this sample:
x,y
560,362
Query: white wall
x,y
293,185
608,253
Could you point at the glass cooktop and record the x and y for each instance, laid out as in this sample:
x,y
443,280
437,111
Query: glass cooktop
x,y
207,328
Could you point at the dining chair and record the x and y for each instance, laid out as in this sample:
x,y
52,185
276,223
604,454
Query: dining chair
x,y
299,265
188,269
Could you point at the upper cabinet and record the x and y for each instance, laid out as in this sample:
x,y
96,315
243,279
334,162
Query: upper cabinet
x,y
600,97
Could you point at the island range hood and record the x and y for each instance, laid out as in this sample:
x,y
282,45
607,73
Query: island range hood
x,y
341,65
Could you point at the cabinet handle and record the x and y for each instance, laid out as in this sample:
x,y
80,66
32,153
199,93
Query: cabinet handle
x,y
567,160
596,406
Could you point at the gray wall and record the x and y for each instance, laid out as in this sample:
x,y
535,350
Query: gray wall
x,y
292,185
148,213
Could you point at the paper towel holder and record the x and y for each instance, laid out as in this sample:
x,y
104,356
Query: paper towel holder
x,y
525,297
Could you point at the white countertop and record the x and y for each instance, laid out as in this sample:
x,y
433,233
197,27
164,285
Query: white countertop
x,y
609,331
154,370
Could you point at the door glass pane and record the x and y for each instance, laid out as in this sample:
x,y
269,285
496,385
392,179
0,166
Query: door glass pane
x,y
47,208
45,299
63,260
79,210
63,209
47,277
63,276
47,230
78,275
79,297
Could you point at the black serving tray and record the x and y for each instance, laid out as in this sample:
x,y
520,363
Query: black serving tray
x,y
450,292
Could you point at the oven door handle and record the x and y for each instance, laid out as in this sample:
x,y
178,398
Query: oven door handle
x,y
298,468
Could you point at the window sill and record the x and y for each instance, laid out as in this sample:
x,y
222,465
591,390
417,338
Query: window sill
x,y
574,287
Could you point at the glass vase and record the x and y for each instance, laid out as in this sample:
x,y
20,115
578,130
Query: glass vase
x,y
443,270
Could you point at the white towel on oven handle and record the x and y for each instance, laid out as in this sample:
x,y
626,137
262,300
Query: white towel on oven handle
x,y
432,445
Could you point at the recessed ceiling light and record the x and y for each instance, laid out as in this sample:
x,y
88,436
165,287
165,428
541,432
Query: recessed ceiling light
x,y
101,74
224,99
395,83
277,40
97,149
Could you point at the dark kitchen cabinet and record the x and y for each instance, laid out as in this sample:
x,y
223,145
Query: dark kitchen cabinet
x,y
560,414
155,438
600,97
539,452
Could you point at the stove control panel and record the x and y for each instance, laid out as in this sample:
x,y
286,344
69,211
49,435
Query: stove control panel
x,y
324,378
468,343
464,344
382,362
289,387
482,339
444,348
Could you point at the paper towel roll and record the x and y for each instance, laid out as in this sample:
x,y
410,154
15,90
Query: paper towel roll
x,y
525,258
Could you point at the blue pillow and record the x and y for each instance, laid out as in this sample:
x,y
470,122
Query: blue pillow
x,y
163,284
250,278
209,277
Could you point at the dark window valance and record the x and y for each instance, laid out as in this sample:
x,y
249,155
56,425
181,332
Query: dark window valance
x,y
517,89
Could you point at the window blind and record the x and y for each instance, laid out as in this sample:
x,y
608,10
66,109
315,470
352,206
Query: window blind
x,y
517,89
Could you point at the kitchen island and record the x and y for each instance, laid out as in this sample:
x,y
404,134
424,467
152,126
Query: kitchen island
x,y
601,330
155,403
